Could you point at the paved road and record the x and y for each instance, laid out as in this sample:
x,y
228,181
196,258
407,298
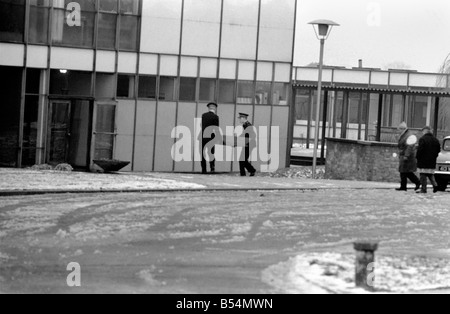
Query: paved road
x,y
202,242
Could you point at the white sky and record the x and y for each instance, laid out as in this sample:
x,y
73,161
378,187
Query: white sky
x,y
381,32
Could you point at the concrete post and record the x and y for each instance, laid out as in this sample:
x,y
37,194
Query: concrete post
x,y
365,264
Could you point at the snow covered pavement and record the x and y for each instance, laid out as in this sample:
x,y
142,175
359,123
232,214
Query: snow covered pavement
x,y
221,242
30,180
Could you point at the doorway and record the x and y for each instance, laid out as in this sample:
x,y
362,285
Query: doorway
x,y
70,132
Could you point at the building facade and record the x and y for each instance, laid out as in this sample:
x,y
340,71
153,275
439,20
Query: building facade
x,y
365,104
111,79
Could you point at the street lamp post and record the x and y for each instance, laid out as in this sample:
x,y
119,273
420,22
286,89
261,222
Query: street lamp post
x,y
322,29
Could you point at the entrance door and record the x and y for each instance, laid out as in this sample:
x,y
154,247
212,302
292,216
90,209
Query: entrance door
x,y
69,132
59,132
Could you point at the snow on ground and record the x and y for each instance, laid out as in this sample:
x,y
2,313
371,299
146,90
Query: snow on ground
x,y
331,272
25,179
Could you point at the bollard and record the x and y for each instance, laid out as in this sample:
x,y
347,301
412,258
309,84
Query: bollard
x,y
365,269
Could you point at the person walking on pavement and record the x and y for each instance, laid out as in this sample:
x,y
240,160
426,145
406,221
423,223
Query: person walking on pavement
x,y
427,154
249,138
209,120
407,155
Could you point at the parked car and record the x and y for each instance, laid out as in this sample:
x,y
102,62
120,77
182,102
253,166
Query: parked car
x,y
443,166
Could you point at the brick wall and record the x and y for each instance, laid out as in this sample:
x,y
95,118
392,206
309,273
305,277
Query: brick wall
x,y
361,161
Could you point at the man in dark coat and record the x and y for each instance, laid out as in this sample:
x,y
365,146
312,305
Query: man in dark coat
x,y
427,154
248,138
407,155
210,128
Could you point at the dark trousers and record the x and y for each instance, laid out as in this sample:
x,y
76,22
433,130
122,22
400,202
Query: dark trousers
x,y
245,164
411,176
424,180
205,141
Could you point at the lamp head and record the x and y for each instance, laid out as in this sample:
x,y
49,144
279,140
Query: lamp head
x,y
323,28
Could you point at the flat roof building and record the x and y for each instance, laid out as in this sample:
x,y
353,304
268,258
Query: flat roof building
x,y
369,104
111,79
117,79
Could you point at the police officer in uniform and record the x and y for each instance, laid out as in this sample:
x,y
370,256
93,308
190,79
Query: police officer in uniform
x,y
248,138
209,119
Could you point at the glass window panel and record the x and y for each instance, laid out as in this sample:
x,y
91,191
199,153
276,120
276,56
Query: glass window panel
x,y
302,103
108,5
86,5
167,88
105,118
207,90
104,86
365,107
373,116
129,7
314,106
246,92
353,109
147,87
240,28
397,110
280,94
79,36
30,121
386,110
125,86
128,33
39,21
420,107
263,90
107,24
11,79
12,20
71,83
33,81
447,145
104,146
227,91
188,88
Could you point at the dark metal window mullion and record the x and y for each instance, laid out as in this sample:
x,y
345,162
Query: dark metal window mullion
x,y
178,81
158,84
136,86
336,96
220,52
23,85
310,118
368,106
360,115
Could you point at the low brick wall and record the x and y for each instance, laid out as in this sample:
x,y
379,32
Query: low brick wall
x,y
361,161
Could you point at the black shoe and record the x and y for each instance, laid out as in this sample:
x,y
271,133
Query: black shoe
x,y
422,192
252,174
213,171
418,186
435,189
401,190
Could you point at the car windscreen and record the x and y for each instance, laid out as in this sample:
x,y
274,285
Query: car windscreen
x,y
447,145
